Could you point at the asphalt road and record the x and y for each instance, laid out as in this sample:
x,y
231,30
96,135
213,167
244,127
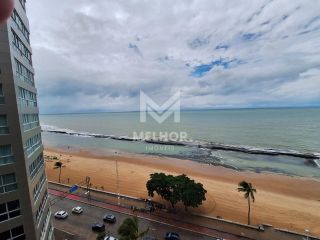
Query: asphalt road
x,y
80,225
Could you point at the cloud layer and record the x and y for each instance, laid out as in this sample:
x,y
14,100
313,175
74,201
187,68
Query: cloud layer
x,y
98,55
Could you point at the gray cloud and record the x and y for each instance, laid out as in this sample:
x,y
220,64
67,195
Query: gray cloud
x,y
97,55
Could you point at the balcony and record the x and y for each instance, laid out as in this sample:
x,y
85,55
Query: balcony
x,y
30,150
31,125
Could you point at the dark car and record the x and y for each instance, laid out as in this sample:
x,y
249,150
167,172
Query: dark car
x,y
98,227
109,218
172,236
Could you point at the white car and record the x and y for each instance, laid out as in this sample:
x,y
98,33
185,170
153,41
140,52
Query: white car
x,y
110,238
61,215
77,210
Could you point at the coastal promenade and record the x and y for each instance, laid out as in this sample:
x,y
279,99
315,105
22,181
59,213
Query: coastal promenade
x,y
281,200
213,227
155,218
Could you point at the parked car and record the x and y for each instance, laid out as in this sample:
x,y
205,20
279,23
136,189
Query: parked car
x,y
110,238
98,227
172,236
77,210
109,218
61,215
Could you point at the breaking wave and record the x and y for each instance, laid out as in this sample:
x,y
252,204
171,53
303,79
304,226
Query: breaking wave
x,y
200,144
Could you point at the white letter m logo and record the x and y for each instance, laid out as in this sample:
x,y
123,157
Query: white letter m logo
x,y
159,113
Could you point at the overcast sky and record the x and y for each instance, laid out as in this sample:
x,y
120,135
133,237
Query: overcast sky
x,y
97,55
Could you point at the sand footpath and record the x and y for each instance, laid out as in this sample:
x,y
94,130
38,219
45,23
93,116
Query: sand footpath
x,y
282,201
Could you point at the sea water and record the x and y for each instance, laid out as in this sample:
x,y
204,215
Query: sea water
x,y
281,130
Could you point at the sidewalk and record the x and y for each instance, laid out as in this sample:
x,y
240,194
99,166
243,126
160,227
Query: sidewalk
x,y
162,217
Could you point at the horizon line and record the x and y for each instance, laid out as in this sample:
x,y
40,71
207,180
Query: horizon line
x,y
188,109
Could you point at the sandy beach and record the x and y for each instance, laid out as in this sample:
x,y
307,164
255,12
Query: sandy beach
x,y
282,201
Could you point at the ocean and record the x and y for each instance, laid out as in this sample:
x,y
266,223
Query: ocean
x,y
282,140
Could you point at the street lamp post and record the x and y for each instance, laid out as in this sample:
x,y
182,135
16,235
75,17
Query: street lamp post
x,y
117,173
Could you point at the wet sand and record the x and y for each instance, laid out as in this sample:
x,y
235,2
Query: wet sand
x,y
285,202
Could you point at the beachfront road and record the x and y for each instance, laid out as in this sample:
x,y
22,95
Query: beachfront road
x,y
80,225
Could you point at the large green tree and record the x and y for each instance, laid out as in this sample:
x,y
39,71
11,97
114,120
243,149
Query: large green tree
x,y
176,188
249,191
165,186
129,230
192,194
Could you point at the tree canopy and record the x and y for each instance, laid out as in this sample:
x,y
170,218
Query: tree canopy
x,y
176,188
129,229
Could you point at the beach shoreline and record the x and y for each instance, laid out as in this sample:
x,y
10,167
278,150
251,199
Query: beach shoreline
x,y
282,201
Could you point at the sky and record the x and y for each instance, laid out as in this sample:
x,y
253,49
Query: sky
x,y
95,56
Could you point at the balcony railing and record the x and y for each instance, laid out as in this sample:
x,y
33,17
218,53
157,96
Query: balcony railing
x,y
26,36
25,79
19,51
33,148
30,125
27,103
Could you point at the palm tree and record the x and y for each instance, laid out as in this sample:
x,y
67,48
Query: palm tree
x,y
129,229
59,165
249,191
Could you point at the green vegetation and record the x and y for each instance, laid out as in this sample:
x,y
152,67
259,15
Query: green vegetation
x,y
249,191
101,236
176,188
58,165
129,229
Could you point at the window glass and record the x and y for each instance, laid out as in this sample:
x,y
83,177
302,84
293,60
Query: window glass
x,y
3,120
13,205
3,208
5,150
14,214
9,178
17,231
5,235
3,217
10,187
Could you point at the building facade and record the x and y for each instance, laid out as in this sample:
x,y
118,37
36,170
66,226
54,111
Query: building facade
x,y
24,204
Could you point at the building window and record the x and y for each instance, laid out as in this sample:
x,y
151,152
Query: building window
x,y
6,156
37,189
27,98
20,25
23,74
3,125
32,144
20,47
23,4
42,206
50,232
30,121
8,183
13,234
9,210
45,224
36,165
1,95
